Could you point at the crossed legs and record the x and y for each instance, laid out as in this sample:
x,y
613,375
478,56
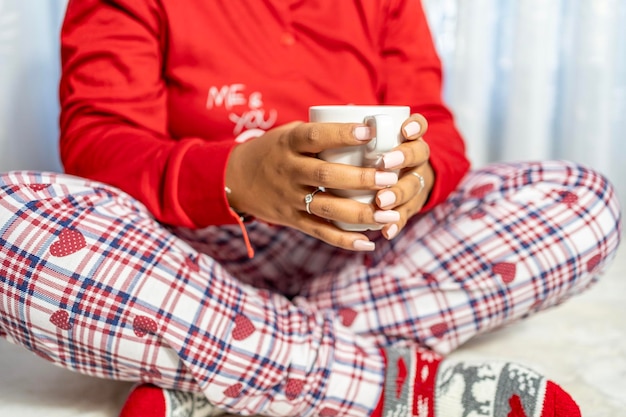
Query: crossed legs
x,y
91,282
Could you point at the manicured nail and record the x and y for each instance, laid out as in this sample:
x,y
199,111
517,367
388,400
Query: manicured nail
x,y
413,128
362,133
364,245
393,159
383,179
392,231
386,216
386,198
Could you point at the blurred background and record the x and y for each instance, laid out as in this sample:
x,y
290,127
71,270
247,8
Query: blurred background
x,y
527,79
535,79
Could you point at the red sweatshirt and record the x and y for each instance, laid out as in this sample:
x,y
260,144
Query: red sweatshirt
x,y
154,93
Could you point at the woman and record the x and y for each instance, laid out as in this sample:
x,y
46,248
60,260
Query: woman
x,y
182,120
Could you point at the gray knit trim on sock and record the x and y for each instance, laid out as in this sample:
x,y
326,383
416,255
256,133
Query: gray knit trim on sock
x,y
392,404
189,404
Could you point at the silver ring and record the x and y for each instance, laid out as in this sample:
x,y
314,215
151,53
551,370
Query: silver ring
x,y
422,181
308,199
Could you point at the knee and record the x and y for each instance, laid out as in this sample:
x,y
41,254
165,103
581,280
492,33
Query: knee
x,y
587,194
54,195
594,197
593,205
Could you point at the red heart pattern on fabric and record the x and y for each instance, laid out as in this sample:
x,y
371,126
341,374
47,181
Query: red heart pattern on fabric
x,y
294,388
233,391
243,328
593,263
439,330
61,319
347,316
68,242
429,278
506,270
482,190
328,412
567,197
38,187
477,214
192,264
143,325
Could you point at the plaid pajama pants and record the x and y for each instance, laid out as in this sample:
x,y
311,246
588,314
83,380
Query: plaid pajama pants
x,y
90,281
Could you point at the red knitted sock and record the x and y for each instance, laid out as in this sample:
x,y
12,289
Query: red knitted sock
x,y
148,400
419,384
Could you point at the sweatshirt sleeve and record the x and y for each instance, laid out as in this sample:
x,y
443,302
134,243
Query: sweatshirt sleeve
x,y
114,115
413,75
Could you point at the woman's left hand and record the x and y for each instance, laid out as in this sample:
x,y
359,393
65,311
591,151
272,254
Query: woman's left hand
x,y
417,177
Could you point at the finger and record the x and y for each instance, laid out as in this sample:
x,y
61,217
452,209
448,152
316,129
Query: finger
x,y
390,231
346,210
327,232
410,186
408,154
414,151
318,173
406,211
414,127
313,138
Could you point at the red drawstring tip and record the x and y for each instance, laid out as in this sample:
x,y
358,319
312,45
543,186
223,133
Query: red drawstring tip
x,y
244,232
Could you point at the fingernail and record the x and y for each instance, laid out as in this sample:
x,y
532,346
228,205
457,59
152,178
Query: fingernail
x,y
392,231
393,159
383,179
362,133
386,216
413,128
386,198
364,245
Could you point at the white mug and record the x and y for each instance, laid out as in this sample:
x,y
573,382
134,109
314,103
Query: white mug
x,y
386,124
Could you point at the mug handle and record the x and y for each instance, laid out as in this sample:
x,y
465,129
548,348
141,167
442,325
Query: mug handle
x,y
385,138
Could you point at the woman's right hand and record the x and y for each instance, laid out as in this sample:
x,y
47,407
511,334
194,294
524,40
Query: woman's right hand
x,y
270,176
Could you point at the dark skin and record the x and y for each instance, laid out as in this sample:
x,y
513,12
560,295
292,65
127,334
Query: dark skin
x,y
273,191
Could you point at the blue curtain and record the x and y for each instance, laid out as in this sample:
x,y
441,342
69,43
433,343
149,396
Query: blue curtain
x,y
29,72
536,79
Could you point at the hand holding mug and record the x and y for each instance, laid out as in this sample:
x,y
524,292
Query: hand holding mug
x,y
397,146
271,176
416,177
276,178
385,124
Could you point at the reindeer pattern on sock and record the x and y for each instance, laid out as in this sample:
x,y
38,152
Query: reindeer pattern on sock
x,y
190,404
473,385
